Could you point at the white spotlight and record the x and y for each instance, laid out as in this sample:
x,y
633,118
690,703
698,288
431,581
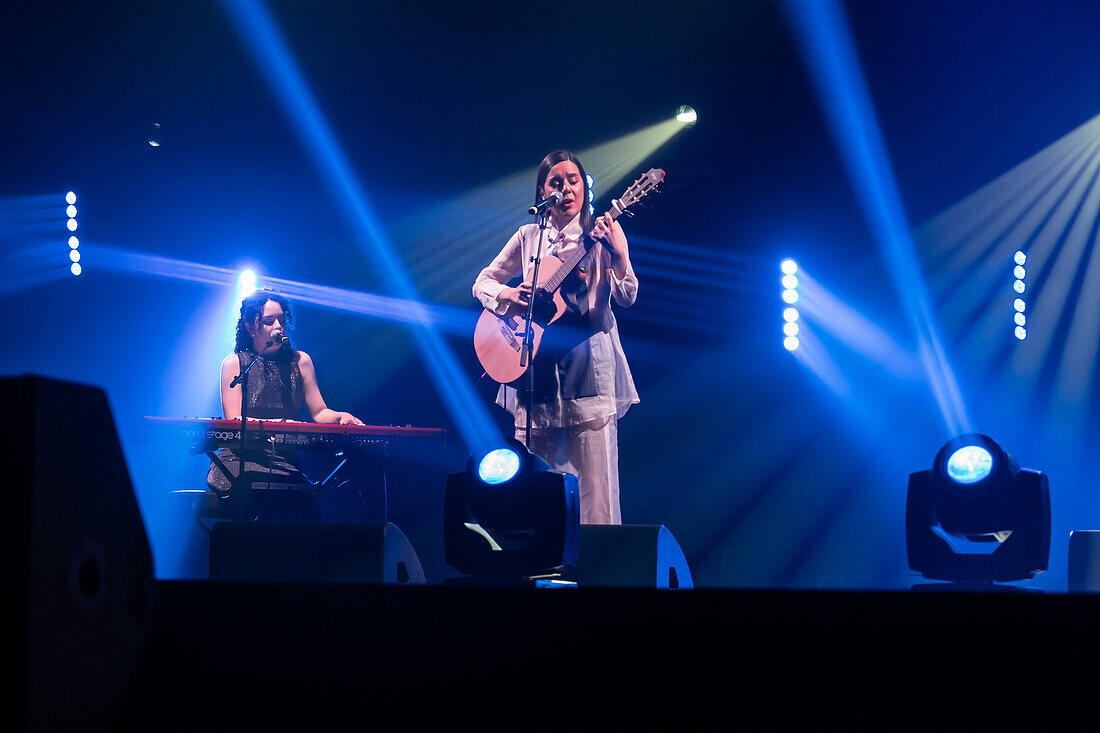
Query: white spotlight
x,y
1019,286
70,198
789,267
71,225
686,115
75,268
246,283
73,242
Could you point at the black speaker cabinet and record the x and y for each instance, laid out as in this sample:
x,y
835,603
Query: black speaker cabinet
x,y
641,556
1084,561
312,552
81,577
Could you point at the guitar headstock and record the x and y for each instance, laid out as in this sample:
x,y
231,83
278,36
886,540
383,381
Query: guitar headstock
x,y
641,188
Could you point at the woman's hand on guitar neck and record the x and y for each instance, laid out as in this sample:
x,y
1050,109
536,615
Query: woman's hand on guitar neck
x,y
518,296
614,240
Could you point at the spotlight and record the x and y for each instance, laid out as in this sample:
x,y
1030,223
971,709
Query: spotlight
x,y
499,466
70,211
976,516
246,283
1018,304
508,517
686,115
790,296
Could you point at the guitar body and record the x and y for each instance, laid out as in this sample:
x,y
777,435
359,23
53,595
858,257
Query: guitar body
x,y
498,340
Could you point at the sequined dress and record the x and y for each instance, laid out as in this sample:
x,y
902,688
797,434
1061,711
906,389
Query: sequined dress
x,y
274,392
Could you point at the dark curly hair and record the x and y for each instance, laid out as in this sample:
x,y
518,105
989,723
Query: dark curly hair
x,y
551,160
252,308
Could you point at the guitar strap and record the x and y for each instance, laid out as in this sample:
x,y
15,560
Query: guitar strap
x,y
574,290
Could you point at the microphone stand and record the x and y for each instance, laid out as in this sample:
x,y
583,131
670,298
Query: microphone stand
x,y
238,491
528,332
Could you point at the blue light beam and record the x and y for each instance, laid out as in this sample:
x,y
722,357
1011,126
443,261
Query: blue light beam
x,y
846,324
448,319
274,61
825,41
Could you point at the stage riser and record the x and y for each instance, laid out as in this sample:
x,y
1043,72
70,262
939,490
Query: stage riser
x,y
327,650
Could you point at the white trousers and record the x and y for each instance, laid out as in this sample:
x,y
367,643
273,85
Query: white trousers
x,y
589,451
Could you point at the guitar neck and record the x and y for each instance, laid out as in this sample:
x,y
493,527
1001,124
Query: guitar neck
x,y
555,280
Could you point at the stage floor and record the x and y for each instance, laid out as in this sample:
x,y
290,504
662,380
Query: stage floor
x,y
264,654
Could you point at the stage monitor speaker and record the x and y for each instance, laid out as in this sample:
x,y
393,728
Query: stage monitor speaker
x,y
312,552
629,555
81,577
1084,561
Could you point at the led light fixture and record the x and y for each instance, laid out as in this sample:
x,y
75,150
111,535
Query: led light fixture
x,y
508,517
686,115
976,516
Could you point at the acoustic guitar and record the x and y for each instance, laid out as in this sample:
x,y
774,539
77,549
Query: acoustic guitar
x,y
498,339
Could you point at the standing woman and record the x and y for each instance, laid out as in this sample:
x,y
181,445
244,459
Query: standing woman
x,y
278,384
582,381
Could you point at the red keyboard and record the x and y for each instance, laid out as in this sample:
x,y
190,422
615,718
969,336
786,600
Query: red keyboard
x,y
294,434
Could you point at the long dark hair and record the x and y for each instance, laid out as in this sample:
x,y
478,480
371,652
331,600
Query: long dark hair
x,y
252,307
551,160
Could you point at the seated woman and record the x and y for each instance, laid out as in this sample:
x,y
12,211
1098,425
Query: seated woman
x,y
277,385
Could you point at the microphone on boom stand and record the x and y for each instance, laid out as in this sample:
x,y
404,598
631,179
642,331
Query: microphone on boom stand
x,y
553,199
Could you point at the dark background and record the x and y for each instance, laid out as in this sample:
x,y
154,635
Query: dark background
x,y
765,476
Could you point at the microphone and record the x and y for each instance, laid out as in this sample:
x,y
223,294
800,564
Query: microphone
x,y
541,207
278,337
